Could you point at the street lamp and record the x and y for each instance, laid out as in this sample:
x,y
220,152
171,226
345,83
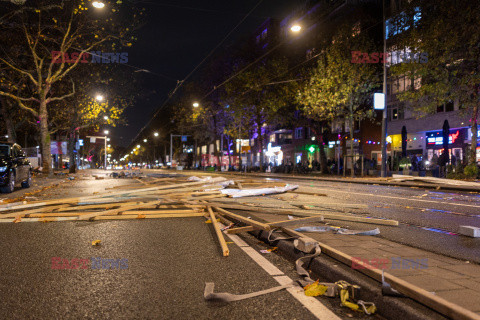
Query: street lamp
x,y
105,118
144,140
106,138
98,4
296,28
156,134
99,97
138,146
196,104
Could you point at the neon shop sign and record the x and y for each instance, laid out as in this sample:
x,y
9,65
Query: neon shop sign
x,y
436,137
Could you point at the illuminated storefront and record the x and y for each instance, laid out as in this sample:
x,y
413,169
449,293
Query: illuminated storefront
x,y
456,143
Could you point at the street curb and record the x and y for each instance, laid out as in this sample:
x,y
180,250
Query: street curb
x,y
332,271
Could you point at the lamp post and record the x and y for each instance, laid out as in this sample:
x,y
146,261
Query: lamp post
x,y
384,117
155,134
106,138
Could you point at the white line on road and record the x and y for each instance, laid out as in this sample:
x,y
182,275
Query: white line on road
x,y
312,304
392,197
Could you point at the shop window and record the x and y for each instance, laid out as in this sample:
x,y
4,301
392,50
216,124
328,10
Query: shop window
x,y
299,133
395,114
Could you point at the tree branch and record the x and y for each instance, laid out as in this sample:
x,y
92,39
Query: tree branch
x,y
20,70
64,96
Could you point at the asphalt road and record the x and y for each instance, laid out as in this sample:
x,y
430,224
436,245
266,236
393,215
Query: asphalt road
x,y
169,261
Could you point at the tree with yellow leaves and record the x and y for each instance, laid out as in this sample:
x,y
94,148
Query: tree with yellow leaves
x,y
45,34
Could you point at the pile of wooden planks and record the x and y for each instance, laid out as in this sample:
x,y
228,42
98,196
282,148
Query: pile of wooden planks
x,y
178,197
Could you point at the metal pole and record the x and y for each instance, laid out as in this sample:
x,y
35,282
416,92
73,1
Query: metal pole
x,y
384,118
171,160
105,152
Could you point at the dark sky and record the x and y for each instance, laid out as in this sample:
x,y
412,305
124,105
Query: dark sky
x,y
176,36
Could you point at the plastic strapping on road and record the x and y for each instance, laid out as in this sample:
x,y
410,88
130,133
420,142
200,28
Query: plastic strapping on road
x,y
373,232
209,295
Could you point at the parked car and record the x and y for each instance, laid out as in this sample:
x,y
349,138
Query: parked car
x,y
15,169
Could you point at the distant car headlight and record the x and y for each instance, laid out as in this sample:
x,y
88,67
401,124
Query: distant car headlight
x,y
3,169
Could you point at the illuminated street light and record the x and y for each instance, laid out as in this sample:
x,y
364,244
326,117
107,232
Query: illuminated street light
x,y
156,134
105,118
109,146
138,146
144,140
105,131
296,28
108,139
196,104
98,4
99,97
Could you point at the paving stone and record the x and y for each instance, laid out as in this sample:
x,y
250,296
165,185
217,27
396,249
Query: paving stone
x,y
406,252
466,298
468,269
445,274
468,283
405,272
353,251
340,243
431,283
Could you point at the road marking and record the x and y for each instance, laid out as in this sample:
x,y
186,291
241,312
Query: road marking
x,y
392,197
312,304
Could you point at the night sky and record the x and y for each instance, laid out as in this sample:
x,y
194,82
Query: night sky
x,y
176,36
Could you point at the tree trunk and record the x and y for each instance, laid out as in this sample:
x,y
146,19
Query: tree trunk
x,y
12,137
472,159
260,143
45,136
344,147
71,147
352,171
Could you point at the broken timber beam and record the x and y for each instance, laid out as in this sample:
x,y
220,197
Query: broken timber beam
x,y
278,224
309,213
219,233
253,223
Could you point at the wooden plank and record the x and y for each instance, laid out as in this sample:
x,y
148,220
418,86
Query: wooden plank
x,y
240,230
133,212
160,211
92,216
253,223
435,302
219,233
33,211
309,213
278,224
74,200
112,217
151,216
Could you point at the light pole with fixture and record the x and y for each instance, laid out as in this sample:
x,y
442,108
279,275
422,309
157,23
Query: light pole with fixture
x,y
105,138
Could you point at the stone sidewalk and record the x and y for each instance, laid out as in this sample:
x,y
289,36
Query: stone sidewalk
x,y
454,280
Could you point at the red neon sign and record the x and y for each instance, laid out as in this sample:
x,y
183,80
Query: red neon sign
x,y
454,136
